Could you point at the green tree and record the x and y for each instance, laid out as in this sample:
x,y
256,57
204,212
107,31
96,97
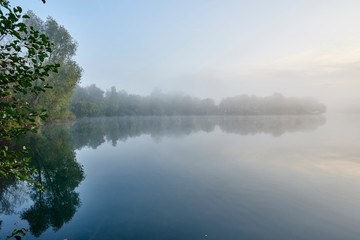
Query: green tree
x,y
88,101
56,101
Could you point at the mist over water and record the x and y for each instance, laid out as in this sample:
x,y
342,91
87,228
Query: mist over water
x,y
280,177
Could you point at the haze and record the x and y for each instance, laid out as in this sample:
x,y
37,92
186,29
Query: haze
x,y
216,48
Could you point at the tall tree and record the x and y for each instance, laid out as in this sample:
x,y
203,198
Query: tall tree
x,y
58,99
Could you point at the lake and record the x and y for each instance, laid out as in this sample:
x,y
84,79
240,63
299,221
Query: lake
x,y
275,177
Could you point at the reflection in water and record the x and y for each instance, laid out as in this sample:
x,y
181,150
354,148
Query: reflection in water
x,y
53,156
59,172
11,195
276,126
94,132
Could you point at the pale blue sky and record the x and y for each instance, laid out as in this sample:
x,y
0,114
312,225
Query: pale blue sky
x,y
215,48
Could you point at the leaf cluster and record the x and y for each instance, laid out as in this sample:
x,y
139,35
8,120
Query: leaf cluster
x,y
15,234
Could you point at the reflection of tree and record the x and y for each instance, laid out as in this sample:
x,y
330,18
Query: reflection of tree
x,y
88,133
274,125
53,156
93,132
11,195
6,201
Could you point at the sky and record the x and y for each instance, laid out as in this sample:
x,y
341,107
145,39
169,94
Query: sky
x,y
216,48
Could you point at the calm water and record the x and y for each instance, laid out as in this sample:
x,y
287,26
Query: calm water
x,y
192,178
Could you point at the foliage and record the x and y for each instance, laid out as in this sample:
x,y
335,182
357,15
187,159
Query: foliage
x,y
88,102
23,62
91,101
56,101
15,234
23,54
29,64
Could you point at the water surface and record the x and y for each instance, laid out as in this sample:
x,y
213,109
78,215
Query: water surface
x,y
289,177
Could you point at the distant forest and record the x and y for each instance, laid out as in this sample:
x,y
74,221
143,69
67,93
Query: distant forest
x,y
91,101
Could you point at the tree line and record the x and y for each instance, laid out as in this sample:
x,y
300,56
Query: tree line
x,y
91,101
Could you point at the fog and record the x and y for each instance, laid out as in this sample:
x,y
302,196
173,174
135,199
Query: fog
x,y
217,49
